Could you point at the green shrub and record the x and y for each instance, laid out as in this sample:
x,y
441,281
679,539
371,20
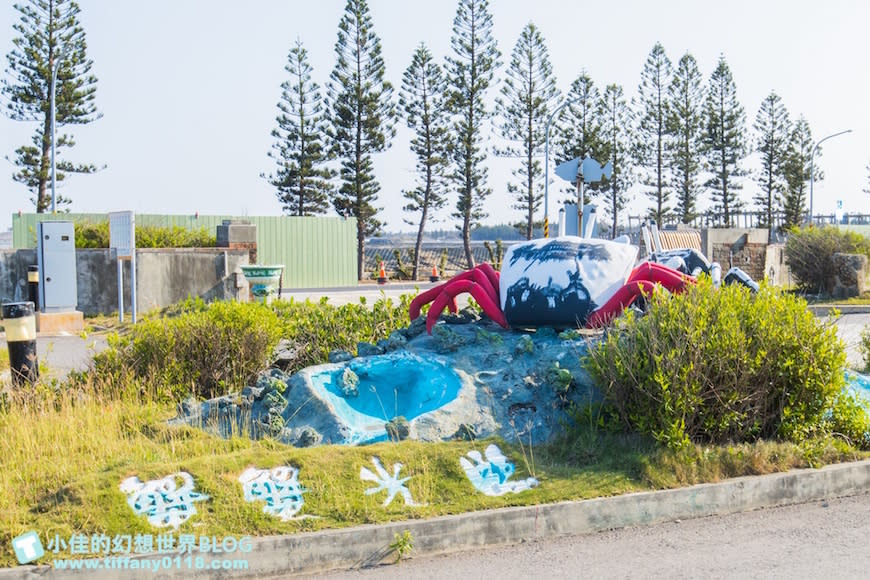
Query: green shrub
x,y
849,419
809,253
96,235
205,350
208,350
318,328
92,235
721,366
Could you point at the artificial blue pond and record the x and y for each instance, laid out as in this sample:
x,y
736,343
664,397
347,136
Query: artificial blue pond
x,y
860,385
390,385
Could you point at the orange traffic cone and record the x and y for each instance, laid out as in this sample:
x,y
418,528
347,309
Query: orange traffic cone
x,y
434,277
382,274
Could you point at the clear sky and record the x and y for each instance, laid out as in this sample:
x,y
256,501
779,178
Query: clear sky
x,y
188,88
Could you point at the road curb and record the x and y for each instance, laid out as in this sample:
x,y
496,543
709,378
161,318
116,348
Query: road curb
x,y
308,553
825,309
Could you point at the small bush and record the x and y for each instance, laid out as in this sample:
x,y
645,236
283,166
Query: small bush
x,y
721,366
809,253
205,351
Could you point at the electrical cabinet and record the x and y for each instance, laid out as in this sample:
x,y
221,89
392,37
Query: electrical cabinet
x,y
56,256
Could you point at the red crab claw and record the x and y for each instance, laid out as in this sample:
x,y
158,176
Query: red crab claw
x,y
482,274
478,291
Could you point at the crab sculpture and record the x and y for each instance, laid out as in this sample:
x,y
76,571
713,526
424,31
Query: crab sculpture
x,y
561,282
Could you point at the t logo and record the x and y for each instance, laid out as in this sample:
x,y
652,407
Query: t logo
x,y
27,547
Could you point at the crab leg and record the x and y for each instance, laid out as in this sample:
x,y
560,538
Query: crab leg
x,y
482,274
618,302
491,273
428,296
478,291
667,277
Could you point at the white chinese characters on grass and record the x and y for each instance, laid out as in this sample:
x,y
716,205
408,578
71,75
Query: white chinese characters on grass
x,y
391,483
162,501
490,476
278,487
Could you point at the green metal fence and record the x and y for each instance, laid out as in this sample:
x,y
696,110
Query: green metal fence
x,y
316,251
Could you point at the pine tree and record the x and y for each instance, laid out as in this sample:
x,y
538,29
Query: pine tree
x,y
616,133
423,108
797,173
527,94
684,123
652,134
362,116
773,129
470,72
724,142
301,179
578,128
50,36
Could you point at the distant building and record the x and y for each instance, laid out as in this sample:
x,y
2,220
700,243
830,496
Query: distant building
x,y
6,239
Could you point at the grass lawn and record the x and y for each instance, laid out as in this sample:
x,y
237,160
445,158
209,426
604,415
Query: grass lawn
x,y
64,454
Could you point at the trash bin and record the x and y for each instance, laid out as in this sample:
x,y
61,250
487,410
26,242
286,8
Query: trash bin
x,y
264,281
19,320
33,285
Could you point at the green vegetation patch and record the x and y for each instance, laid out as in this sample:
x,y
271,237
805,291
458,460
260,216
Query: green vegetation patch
x,y
96,235
723,365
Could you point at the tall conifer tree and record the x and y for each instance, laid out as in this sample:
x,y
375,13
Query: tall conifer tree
x,y
724,143
652,134
684,123
772,133
301,179
470,72
616,133
423,108
362,116
526,97
49,32
797,173
578,128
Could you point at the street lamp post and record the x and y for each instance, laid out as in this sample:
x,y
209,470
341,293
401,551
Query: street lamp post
x,y
812,167
54,71
547,166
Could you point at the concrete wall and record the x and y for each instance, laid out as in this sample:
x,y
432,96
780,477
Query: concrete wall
x,y
743,248
316,252
775,269
163,276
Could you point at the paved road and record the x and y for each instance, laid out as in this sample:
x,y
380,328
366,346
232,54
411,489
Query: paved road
x,y
818,540
849,327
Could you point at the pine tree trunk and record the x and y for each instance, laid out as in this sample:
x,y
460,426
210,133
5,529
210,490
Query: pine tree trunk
x,y
360,248
419,243
466,241
45,167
